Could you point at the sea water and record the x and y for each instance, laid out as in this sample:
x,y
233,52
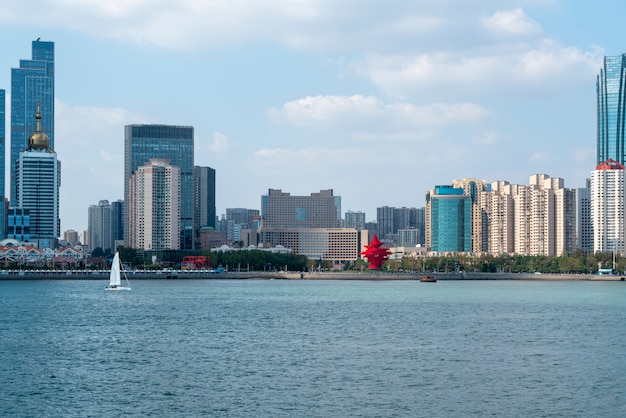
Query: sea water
x,y
275,348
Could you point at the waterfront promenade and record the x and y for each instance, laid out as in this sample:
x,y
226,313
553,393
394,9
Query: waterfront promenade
x,y
339,275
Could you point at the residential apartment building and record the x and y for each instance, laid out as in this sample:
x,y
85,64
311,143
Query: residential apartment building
x,y
174,143
153,206
585,226
607,207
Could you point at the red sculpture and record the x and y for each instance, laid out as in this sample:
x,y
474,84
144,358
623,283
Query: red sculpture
x,y
375,254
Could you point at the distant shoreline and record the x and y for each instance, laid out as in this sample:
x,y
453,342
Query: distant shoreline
x,y
365,275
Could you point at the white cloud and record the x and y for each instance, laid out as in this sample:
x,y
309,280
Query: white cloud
x,y
221,143
548,63
362,112
511,22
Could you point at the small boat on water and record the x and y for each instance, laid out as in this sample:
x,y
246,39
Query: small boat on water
x,y
115,277
428,279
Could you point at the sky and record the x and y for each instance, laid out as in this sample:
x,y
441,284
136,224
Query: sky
x,y
379,101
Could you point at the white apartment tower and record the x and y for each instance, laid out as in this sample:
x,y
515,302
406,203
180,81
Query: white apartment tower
x,y
154,206
497,205
607,207
545,217
538,219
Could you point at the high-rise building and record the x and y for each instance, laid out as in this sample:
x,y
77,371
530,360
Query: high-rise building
x,y
3,214
100,227
384,220
545,217
174,143
203,198
390,220
32,85
117,220
473,188
38,178
497,205
319,210
585,227
611,97
607,207
354,220
240,216
71,237
448,220
153,206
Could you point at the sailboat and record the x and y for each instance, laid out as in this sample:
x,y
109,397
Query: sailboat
x,y
115,278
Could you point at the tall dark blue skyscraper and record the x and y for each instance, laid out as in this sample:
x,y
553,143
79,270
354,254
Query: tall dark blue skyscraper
x,y
2,154
31,84
611,91
174,143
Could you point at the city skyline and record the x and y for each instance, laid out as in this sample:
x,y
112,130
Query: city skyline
x,y
378,103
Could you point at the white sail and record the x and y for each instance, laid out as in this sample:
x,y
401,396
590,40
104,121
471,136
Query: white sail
x,y
115,278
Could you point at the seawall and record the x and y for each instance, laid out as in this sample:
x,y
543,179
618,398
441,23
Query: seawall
x,y
365,275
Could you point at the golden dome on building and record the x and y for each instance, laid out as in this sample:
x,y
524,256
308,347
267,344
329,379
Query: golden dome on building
x,y
38,140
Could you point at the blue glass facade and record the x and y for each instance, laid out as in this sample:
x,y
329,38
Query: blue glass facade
x,y
31,84
2,158
451,220
175,143
611,92
38,179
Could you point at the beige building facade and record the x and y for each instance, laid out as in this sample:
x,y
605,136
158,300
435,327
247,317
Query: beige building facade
x,y
154,206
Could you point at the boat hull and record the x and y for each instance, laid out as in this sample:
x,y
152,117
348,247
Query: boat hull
x,y
116,288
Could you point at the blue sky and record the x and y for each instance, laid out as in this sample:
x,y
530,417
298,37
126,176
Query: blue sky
x,y
380,101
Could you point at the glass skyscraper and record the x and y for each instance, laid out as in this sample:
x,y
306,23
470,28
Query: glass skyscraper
x,y
450,219
38,178
2,154
174,143
611,91
32,84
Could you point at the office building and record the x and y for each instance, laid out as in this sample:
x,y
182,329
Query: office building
x,y
319,210
585,227
174,143
204,211
38,178
32,85
324,244
607,207
117,221
448,220
611,109
153,206
3,212
100,229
